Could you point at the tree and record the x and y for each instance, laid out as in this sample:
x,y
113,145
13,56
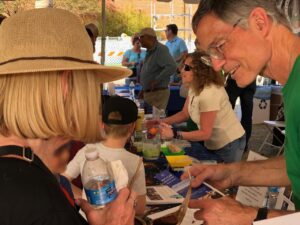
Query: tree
x,y
127,20
79,7
11,7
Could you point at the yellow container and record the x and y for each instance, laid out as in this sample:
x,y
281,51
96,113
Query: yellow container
x,y
179,161
139,122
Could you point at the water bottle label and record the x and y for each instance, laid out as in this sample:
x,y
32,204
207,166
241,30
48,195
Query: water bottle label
x,y
102,195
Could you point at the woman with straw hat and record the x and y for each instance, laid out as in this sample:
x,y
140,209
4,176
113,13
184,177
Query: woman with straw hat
x,y
49,95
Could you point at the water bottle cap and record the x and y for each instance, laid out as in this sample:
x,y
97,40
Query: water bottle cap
x,y
91,154
274,189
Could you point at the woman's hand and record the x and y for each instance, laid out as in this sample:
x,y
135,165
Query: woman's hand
x,y
131,63
151,123
166,131
119,212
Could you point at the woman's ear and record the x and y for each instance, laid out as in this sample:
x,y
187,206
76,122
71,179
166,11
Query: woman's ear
x,y
65,83
260,21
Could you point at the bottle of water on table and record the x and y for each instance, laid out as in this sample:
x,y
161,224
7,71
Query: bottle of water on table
x,y
131,90
272,197
97,180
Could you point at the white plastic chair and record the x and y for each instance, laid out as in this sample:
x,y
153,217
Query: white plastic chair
x,y
270,125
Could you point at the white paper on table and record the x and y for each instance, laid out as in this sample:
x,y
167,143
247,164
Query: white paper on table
x,y
292,219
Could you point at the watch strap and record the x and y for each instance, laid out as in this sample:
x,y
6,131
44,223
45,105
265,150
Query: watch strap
x,y
262,214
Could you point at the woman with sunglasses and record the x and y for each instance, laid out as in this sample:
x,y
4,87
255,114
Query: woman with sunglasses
x,y
208,106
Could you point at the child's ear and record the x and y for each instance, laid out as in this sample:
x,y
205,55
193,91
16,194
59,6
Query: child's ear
x,y
133,127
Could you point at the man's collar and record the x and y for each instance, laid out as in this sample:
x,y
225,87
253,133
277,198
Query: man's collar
x,y
174,39
153,48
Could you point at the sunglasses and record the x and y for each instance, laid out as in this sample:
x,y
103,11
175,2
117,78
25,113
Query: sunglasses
x,y
187,67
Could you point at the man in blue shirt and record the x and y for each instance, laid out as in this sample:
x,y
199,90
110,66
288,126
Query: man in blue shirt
x,y
176,46
156,71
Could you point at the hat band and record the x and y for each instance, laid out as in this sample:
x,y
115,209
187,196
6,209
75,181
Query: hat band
x,y
67,58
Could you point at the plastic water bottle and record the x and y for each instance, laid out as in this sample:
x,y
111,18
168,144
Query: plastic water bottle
x,y
272,197
97,180
131,90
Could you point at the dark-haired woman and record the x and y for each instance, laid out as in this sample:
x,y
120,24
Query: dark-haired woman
x,y
133,57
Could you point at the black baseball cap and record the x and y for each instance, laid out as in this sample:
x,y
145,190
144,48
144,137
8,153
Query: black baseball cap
x,y
126,108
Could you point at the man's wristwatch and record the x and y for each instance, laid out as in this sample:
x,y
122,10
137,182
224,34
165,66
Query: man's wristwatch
x,y
262,214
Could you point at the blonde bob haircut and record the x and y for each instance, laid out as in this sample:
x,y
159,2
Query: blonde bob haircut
x,y
33,105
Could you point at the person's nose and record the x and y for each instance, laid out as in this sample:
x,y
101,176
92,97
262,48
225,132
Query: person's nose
x,y
217,64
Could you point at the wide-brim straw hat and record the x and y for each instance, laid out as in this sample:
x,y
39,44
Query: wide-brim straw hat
x,y
49,39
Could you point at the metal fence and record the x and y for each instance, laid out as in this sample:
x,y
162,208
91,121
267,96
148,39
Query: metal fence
x,y
115,47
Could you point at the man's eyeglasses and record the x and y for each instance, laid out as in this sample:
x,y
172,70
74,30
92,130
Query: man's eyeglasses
x,y
217,51
187,67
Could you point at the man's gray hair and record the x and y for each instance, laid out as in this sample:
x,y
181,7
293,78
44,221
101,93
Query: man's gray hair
x,y
231,11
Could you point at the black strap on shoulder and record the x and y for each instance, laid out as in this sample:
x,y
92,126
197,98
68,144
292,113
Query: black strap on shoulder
x,y
24,152
28,155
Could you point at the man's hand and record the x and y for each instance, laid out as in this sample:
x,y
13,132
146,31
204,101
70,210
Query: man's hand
x,y
153,84
141,95
225,211
219,176
119,212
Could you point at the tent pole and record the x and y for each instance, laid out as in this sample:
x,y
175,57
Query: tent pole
x,y
103,33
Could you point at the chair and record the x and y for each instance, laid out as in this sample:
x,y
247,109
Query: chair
x,y
270,125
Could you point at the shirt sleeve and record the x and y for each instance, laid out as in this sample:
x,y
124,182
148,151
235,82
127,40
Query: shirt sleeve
x,y
210,99
127,54
139,185
183,47
166,62
74,167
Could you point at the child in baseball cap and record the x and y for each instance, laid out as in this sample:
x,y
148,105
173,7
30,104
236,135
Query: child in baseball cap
x,y
118,116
